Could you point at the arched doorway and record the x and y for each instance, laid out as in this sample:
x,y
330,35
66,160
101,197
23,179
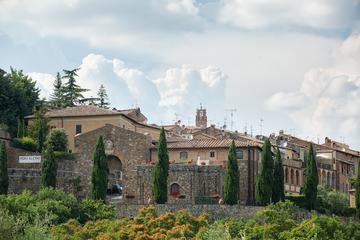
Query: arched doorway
x,y
115,176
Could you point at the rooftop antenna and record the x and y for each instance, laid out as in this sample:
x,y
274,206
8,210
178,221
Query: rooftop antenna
x,y
245,128
251,130
231,110
261,126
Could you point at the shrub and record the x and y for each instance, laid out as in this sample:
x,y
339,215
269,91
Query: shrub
x,y
91,210
26,143
64,155
332,202
58,139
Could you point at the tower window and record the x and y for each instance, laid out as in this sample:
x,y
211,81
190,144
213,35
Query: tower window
x,y
183,156
212,154
239,154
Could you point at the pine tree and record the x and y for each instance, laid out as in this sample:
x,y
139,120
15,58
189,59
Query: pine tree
x,y
72,92
357,188
49,168
265,178
103,97
99,178
161,171
57,97
278,185
231,186
4,177
311,179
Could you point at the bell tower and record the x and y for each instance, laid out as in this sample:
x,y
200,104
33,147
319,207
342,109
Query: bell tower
x,y
201,118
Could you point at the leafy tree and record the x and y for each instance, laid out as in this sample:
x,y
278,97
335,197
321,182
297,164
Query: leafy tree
x,y
49,168
99,178
278,185
357,193
265,178
57,138
71,91
18,96
311,179
4,177
39,128
57,98
161,171
231,188
103,97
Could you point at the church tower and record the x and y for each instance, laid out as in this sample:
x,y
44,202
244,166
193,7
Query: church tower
x,y
201,118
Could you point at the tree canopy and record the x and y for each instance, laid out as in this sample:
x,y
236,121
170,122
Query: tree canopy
x,y
311,179
278,193
103,97
231,186
72,92
99,177
265,181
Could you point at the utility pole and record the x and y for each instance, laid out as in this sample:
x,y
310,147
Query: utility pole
x,y
231,110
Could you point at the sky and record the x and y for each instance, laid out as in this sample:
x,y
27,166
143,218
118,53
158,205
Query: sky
x,y
291,65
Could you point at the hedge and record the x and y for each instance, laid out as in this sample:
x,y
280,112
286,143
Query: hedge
x,y
25,143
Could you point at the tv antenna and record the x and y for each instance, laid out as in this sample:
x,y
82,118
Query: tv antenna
x,y
232,111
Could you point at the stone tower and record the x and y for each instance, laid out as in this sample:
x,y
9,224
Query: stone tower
x,y
201,118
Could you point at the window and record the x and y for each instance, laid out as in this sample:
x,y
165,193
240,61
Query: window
x,y
183,156
78,129
239,154
174,189
212,154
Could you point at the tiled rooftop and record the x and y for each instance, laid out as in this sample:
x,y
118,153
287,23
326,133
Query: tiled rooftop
x,y
211,143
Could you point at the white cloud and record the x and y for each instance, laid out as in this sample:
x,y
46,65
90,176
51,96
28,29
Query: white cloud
x,y
327,14
180,90
182,6
329,98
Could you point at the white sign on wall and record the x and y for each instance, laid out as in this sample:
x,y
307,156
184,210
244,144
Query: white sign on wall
x,y
29,159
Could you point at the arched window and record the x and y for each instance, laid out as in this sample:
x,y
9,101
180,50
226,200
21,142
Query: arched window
x,y
297,177
286,175
328,179
291,176
183,156
174,189
323,178
333,180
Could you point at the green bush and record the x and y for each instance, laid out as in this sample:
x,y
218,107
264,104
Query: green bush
x,y
26,143
58,139
332,202
91,210
64,155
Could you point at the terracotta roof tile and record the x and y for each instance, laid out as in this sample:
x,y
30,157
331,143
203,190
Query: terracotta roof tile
x,y
211,143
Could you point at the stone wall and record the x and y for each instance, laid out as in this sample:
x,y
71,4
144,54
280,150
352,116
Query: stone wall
x,y
194,181
28,175
215,211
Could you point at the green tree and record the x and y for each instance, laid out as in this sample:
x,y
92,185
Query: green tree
x,y
357,193
18,96
57,98
278,185
99,178
57,138
39,128
71,91
49,168
21,131
265,178
231,186
161,171
103,97
311,179
4,177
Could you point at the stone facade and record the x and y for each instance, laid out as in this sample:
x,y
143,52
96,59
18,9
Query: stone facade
x,y
127,147
215,211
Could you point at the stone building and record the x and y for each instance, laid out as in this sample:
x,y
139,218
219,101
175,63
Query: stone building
x,y
201,118
214,152
85,118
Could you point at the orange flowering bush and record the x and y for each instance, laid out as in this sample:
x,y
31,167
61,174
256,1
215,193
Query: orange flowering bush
x,y
146,225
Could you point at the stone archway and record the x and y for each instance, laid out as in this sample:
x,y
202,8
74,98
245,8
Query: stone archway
x,y
115,176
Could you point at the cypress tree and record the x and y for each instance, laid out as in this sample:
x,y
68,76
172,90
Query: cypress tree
x,y
231,186
4,177
41,135
103,97
278,185
20,130
311,179
357,193
49,168
161,171
265,178
99,177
